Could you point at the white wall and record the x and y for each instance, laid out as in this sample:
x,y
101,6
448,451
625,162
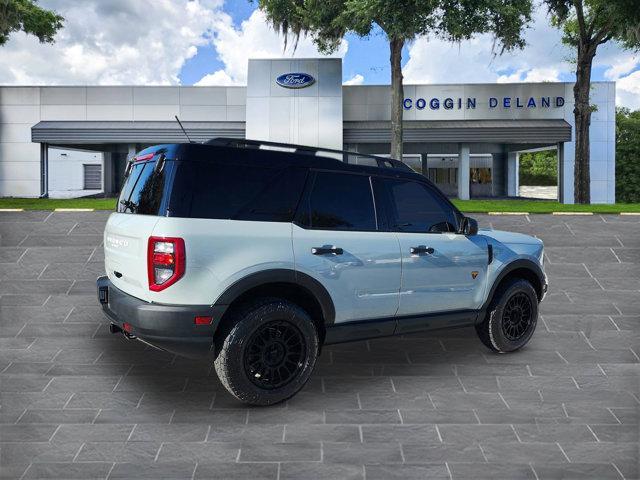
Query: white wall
x,y
307,116
66,172
19,158
23,107
602,143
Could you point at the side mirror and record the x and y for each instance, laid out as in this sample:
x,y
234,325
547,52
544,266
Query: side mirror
x,y
469,226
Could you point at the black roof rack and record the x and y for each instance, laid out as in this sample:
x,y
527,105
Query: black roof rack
x,y
382,162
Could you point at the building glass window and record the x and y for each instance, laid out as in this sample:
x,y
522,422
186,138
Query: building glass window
x,y
480,175
443,176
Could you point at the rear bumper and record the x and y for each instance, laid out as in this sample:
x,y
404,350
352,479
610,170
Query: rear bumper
x,y
168,327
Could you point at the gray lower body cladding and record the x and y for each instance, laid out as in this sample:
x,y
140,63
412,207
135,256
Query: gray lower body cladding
x,y
168,327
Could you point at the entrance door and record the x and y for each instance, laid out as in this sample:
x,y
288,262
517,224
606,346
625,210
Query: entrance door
x,y
336,241
442,270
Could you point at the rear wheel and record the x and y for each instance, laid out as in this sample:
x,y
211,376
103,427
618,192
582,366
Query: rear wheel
x,y
269,353
512,317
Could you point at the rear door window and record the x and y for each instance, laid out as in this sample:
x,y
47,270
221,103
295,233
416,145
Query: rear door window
x,y
340,201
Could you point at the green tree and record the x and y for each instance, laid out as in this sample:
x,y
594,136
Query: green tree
x,y
28,17
539,168
587,24
627,156
327,22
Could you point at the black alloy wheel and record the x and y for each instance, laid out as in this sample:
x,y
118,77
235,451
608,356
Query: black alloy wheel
x,y
274,354
517,316
268,353
511,318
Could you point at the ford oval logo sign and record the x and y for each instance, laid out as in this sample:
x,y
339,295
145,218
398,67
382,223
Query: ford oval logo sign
x,y
295,80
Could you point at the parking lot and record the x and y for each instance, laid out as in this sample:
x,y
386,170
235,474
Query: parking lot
x,y
78,402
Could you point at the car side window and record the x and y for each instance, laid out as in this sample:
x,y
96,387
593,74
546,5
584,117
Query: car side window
x,y
217,190
413,207
340,201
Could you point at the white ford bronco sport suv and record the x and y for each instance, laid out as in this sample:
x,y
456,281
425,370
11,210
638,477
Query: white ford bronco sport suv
x,y
257,254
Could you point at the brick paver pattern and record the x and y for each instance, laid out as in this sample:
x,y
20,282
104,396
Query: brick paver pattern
x,y
78,402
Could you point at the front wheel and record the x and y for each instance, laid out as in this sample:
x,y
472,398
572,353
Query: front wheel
x,y
511,318
269,354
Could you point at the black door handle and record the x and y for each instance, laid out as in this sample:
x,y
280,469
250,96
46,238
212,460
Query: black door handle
x,y
326,250
421,249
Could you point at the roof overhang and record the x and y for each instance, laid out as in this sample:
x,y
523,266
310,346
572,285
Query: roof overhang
x,y
58,132
474,131
433,131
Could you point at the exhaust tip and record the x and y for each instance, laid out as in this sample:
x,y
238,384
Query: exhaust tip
x,y
113,328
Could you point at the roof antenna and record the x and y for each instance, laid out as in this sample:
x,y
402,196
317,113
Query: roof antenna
x,y
183,130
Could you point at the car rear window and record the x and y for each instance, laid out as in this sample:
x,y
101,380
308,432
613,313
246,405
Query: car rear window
x,y
144,189
221,190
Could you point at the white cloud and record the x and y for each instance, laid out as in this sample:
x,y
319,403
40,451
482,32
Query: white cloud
x,y
114,42
357,79
217,78
621,70
531,75
622,65
143,42
545,58
436,61
253,39
628,91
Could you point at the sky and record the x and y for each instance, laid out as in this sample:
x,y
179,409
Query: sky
x,y
208,42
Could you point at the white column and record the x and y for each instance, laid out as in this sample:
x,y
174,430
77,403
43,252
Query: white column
x,y
513,166
463,171
131,151
44,170
562,178
425,165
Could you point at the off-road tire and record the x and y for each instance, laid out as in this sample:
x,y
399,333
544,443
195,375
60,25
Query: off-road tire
x,y
492,330
249,321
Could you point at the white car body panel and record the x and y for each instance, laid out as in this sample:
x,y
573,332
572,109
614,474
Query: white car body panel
x,y
364,281
125,252
444,280
376,277
218,253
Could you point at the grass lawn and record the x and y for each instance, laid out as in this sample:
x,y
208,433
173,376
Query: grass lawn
x,y
469,206
539,206
50,203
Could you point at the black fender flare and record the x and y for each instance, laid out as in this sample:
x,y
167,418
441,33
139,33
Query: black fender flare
x,y
281,275
521,263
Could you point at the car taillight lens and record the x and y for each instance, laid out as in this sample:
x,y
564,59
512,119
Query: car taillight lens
x,y
165,262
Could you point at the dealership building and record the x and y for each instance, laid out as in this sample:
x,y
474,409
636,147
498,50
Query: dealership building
x,y
467,138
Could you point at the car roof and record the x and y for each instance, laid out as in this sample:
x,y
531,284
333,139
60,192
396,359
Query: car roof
x,y
384,162
280,154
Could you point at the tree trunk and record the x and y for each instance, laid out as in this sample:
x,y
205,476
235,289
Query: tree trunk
x,y
397,97
582,114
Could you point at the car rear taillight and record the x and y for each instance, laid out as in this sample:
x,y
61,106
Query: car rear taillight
x,y
165,262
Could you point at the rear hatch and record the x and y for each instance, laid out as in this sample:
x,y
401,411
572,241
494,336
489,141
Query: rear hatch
x,y
142,200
